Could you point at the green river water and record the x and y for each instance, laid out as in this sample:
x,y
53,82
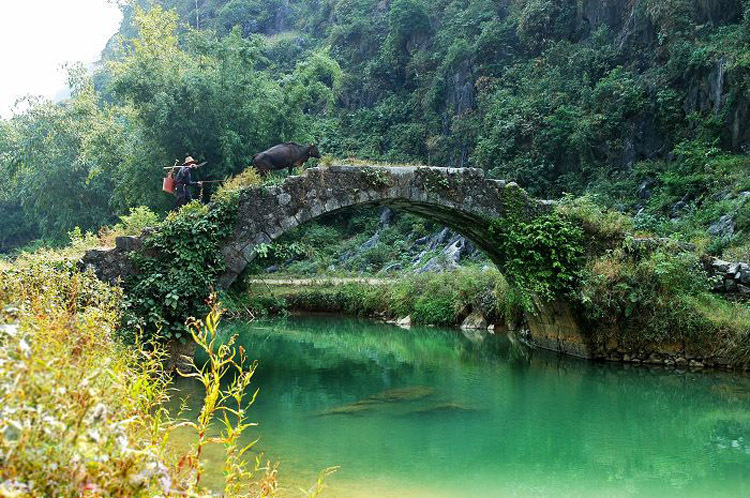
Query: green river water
x,y
435,413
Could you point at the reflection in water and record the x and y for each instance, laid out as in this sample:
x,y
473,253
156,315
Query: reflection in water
x,y
429,413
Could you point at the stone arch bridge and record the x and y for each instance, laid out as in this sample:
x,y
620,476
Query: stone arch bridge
x,y
462,199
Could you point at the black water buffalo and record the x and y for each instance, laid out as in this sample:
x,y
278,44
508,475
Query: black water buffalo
x,y
288,155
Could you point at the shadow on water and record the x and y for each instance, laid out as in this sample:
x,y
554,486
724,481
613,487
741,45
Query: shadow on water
x,y
435,412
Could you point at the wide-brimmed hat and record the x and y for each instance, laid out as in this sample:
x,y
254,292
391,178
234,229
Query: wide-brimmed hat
x,y
188,161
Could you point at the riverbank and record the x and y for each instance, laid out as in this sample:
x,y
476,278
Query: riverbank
x,y
697,329
445,299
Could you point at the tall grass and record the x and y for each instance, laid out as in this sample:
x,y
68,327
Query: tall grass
x,y
81,415
429,299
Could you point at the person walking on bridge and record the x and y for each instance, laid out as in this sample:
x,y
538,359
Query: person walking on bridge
x,y
184,182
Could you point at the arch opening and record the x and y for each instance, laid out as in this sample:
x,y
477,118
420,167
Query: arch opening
x,y
360,239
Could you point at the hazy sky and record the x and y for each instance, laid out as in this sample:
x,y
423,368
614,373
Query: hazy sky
x,y
38,36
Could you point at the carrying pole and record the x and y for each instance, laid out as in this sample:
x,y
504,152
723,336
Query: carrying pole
x,y
176,166
208,181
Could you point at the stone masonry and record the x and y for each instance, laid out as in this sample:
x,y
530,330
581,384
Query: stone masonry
x,y
462,199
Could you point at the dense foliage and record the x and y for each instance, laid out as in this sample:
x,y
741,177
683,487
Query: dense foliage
x,y
543,256
559,95
97,424
178,268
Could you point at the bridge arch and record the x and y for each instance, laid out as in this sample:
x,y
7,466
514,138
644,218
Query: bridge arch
x,y
461,198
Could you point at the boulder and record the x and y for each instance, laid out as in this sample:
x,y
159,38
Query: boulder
x,y
745,275
387,216
128,244
438,264
110,265
475,321
346,257
404,322
724,228
422,241
720,266
441,238
370,243
730,286
458,248
391,268
677,208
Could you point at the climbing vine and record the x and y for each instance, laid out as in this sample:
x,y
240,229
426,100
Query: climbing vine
x,y
544,256
178,268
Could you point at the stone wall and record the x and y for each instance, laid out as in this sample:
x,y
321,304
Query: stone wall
x,y
113,265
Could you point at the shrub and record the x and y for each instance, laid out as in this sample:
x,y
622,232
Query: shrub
x,y
248,178
82,415
542,257
434,310
178,268
131,224
644,298
136,221
94,424
598,223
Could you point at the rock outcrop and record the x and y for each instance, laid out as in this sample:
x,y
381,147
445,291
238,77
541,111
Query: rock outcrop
x,y
729,277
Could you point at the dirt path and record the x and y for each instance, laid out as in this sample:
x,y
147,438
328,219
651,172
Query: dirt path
x,y
323,281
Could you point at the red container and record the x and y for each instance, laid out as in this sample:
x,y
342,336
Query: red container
x,y
168,185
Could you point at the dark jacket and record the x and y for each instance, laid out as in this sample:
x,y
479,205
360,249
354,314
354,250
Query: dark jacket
x,y
183,179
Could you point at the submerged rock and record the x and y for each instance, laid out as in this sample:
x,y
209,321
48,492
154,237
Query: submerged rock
x,y
403,394
356,408
444,408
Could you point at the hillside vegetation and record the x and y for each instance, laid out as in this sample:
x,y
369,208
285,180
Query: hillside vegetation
x,y
644,102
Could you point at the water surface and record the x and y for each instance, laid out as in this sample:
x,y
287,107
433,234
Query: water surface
x,y
435,413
